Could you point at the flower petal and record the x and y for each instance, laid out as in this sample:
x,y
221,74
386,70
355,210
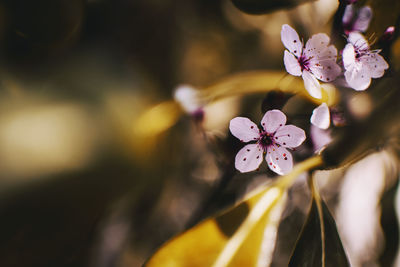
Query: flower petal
x,y
291,64
317,44
376,63
326,70
348,14
358,78
321,116
249,158
244,129
358,40
291,40
279,159
363,19
349,56
356,20
322,57
272,120
311,84
289,136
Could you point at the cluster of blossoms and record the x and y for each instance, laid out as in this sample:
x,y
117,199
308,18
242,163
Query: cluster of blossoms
x,y
315,61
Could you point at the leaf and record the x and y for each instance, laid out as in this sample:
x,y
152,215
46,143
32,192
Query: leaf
x,y
202,245
234,238
265,6
319,243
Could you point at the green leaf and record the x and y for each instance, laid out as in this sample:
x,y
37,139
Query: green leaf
x,y
319,243
265,6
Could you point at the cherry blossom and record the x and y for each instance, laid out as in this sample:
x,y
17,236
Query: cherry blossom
x,y
356,19
360,63
273,140
316,61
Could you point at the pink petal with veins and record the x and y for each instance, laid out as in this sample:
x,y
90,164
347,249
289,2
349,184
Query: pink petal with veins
x,y
289,136
279,159
272,120
291,40
244,129
249,158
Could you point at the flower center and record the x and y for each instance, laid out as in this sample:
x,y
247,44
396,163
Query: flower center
x,y
304,63
361,52
265,140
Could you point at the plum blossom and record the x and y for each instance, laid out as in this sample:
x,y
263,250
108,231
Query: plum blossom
x,y
356,20
273,140
316,61
360,63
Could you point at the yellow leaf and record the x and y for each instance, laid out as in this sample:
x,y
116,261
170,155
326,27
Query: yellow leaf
x,y
202,245
211,243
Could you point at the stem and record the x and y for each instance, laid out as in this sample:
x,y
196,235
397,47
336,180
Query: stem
x,y
256,82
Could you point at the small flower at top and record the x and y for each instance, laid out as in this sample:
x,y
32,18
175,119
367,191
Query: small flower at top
x,y
360,63
356,20
316,61
387,35
273,140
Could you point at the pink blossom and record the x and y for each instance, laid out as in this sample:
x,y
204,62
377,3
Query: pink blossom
x,y
273,140
316,61
356,20
361,63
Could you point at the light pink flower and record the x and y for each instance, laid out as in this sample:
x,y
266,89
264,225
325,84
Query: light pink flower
x,y
273,141
356,20
361,63
316,61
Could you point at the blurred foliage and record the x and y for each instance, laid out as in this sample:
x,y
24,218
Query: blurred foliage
x,y
188,249
235,237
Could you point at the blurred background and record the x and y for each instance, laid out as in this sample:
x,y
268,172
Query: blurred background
x,y
81,182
